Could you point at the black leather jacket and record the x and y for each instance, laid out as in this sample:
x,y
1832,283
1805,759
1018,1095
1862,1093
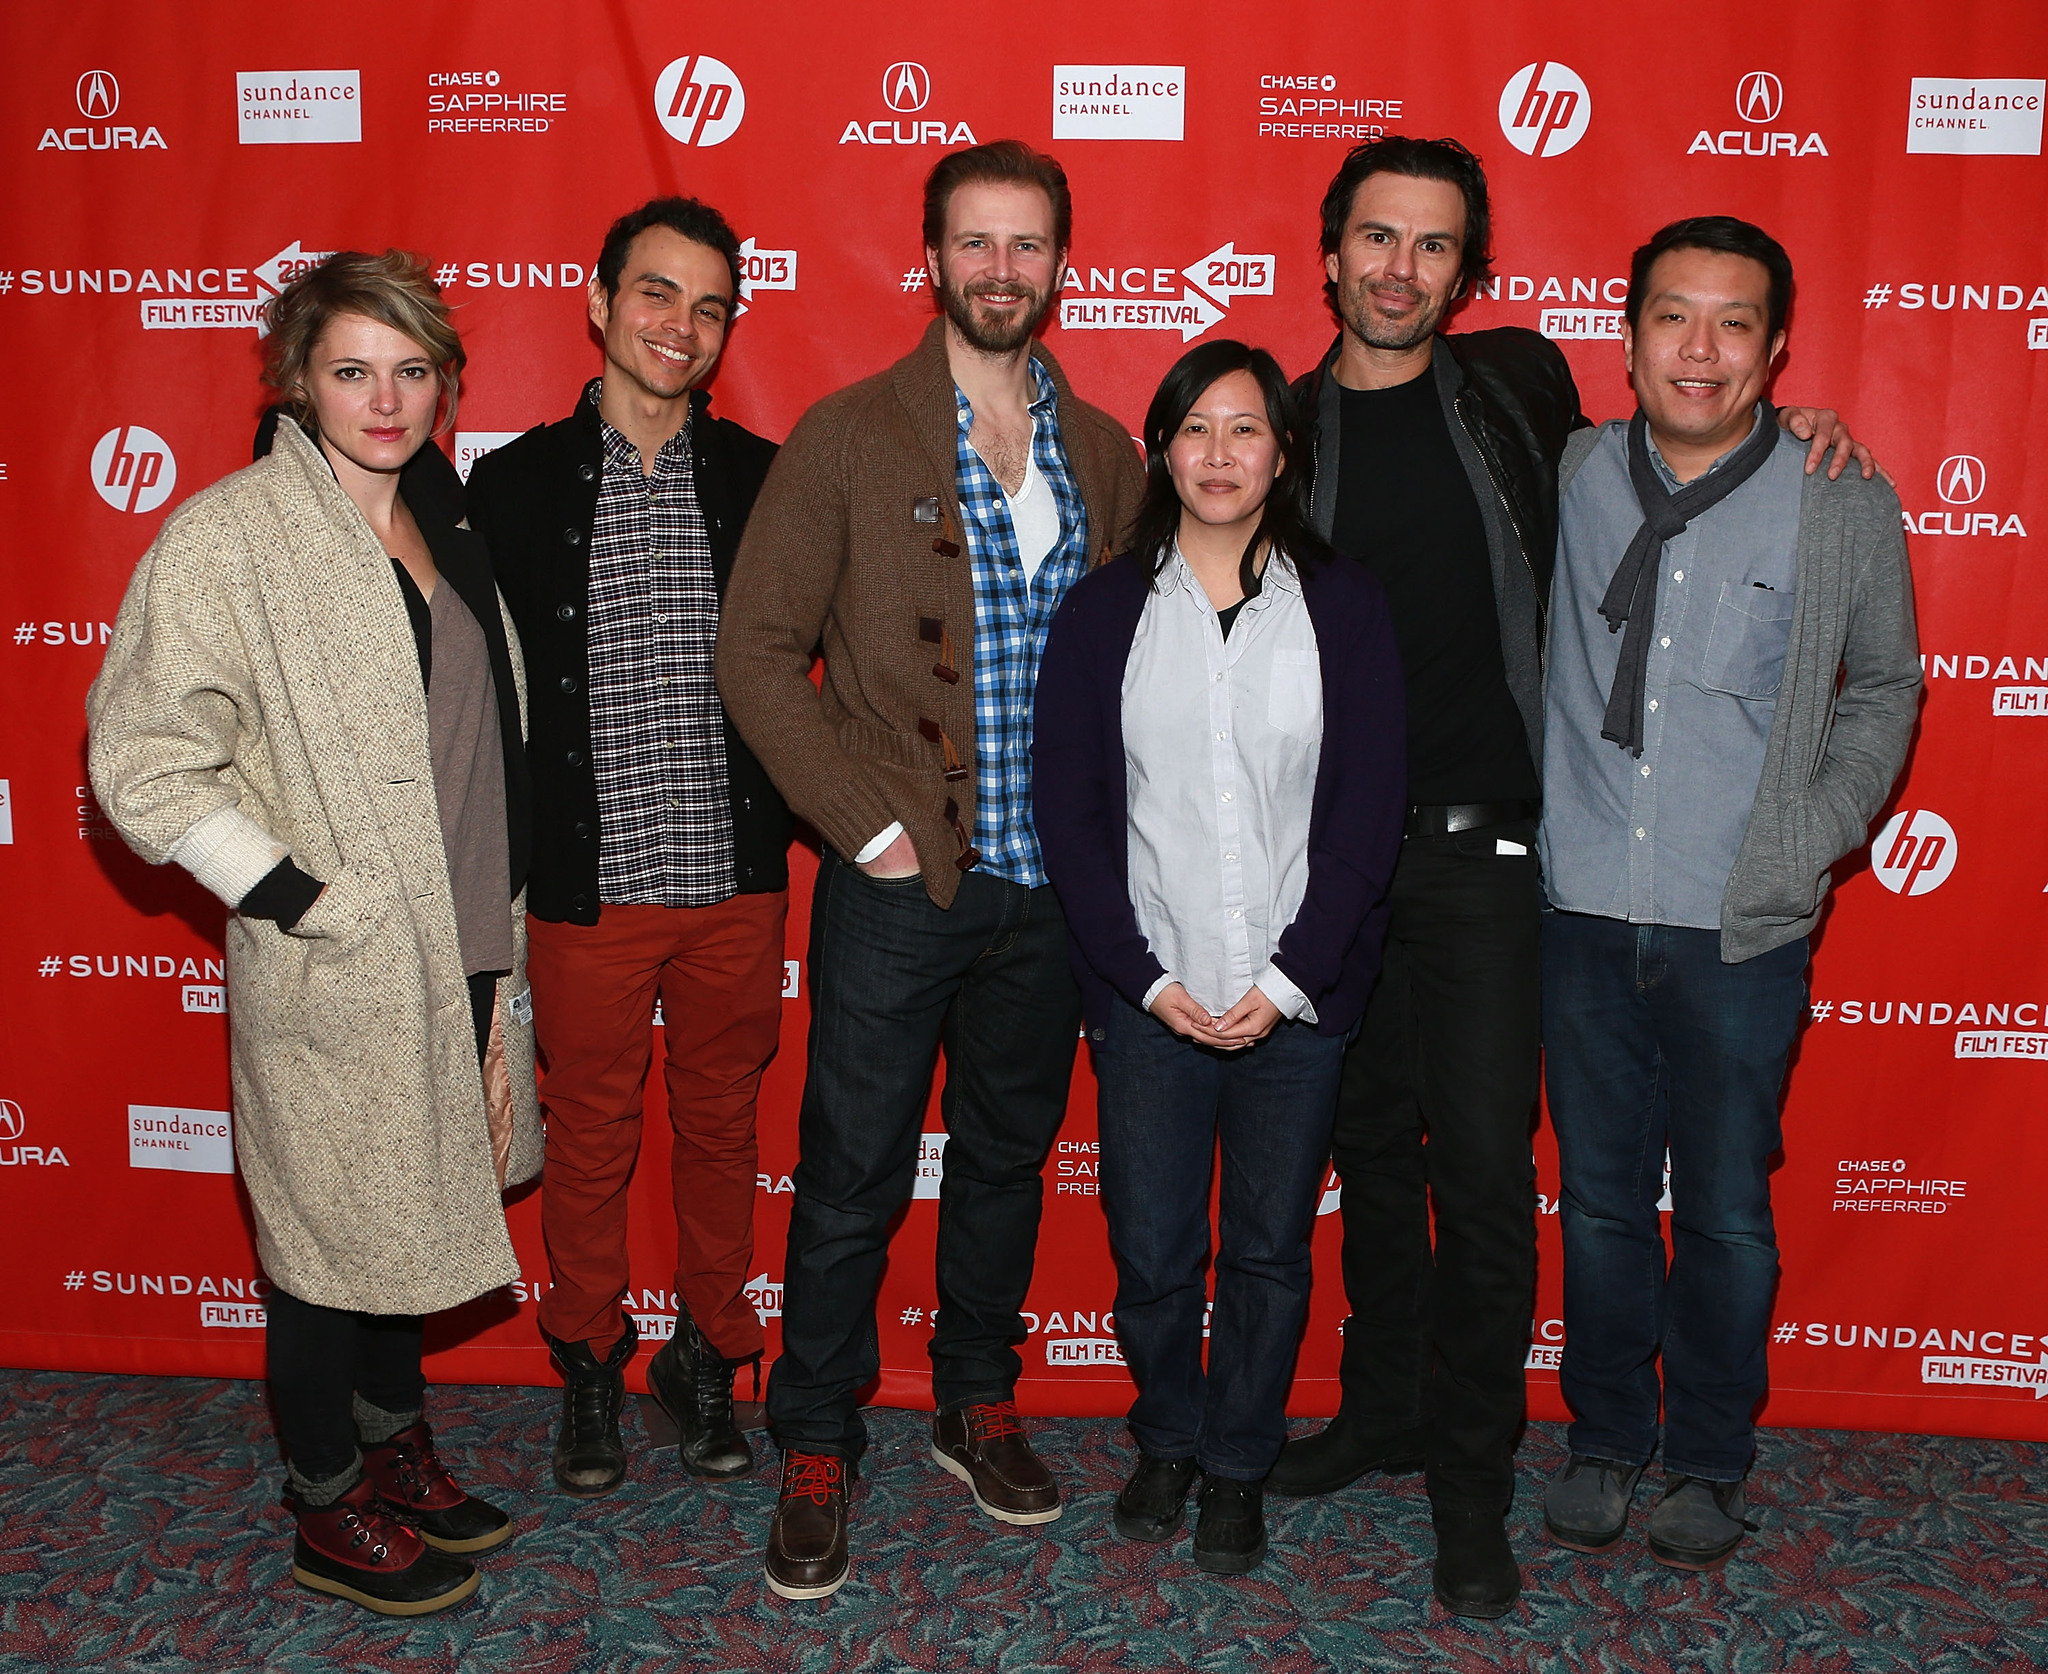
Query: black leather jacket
x,y
1509,402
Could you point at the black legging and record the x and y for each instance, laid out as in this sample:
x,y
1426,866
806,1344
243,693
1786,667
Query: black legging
x,y
321,1357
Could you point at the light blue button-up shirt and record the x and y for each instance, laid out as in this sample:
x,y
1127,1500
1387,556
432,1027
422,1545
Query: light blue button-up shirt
x,y
1652,838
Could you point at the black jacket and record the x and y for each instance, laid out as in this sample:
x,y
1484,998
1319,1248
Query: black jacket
x,y
534,501
433,494
1509,403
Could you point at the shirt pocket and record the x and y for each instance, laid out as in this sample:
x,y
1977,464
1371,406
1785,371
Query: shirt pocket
x,y
1294,694
1745,655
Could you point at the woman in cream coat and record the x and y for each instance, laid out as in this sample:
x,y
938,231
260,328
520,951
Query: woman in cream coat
x,y
312,701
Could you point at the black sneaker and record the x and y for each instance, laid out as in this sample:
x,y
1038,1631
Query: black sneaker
x,y
1230,1534
1153,1502
590,1456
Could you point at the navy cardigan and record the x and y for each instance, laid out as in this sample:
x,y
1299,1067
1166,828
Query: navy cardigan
x,y
1080,801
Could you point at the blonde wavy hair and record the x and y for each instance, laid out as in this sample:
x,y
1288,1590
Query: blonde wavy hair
x,y
396,289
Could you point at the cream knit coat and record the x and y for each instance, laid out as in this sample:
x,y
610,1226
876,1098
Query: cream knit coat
x,y
261,696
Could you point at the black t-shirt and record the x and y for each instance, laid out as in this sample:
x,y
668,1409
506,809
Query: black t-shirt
x,y
1406,511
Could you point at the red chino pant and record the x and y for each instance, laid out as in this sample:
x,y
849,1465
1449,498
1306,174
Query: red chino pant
x,y
718,971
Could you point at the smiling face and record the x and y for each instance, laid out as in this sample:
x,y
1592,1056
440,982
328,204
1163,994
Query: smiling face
x,y
374,392
1225,457
999,270
1700,351
1397,266
665,329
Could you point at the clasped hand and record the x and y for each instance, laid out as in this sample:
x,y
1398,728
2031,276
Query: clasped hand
x,y
1250,1020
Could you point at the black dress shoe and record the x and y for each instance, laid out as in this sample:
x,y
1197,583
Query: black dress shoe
x,y
1153,1501
693,1383
1230,1534
1339,1454
1476,1573
590,1457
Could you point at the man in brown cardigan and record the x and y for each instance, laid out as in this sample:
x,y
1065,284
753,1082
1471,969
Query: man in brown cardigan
x,y
921,527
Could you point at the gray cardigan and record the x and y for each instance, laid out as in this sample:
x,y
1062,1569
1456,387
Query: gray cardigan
x,y
1833,756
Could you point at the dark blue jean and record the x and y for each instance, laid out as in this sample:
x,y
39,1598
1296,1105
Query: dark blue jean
x,y
894,976
1165,1103
1650,1042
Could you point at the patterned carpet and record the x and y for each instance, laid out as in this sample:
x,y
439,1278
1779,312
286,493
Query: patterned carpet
x,y
140,1530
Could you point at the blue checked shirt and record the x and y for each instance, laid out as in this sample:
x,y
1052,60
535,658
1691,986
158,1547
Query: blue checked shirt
x,y
1010,620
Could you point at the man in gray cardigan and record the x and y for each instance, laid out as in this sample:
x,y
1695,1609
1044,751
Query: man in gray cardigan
x,y
1733,681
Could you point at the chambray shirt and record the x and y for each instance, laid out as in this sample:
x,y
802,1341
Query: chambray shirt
x,y
1652,839
1222,738
1011,616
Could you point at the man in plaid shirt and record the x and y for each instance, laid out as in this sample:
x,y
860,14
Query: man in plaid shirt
x,y
660,847
922,527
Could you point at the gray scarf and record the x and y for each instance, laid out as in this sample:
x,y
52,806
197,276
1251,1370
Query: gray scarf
x,y
1631,596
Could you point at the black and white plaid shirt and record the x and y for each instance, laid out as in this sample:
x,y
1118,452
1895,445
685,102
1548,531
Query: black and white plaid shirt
x,y
657,730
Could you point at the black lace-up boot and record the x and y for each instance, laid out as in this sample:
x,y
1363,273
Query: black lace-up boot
x,y
693,1383
590,1458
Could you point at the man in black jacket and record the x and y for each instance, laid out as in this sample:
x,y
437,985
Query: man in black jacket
x,y
659,866
1436,467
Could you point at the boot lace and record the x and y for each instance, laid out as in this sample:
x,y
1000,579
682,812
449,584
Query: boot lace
x,y
815,1476
421,1474
993,1420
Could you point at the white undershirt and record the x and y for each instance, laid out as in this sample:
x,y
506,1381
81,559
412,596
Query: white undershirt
x,y
1034,516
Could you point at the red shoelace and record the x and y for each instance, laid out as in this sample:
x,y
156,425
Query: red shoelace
x,y
993,1420
816,1475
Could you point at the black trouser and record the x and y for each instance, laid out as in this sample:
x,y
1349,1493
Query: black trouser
x,y
893,977
1437,1106
320,1358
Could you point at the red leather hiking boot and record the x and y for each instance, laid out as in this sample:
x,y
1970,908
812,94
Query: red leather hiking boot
x,y
356,1549
413,1482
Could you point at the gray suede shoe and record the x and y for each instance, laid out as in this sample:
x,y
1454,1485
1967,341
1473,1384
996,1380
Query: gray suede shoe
x,y
1585,1506
1697,1523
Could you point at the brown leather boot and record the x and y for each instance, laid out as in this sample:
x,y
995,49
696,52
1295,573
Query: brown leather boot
x,y
985,1447
807,1554
356,1549
412,1481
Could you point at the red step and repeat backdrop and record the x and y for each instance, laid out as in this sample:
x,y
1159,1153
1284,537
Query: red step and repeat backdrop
x,y
169,167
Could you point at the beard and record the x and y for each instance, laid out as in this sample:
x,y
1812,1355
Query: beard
x,y
999,335
1379,333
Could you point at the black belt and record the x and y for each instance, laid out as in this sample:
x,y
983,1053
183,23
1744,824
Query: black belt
x,y
1440,819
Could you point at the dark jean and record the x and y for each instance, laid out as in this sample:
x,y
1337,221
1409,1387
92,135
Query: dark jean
x,y
1165,1104
1650,1041
1437,1108
893,977
320,1357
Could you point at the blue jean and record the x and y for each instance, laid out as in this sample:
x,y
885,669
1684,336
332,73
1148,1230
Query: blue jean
x,y
1650,1042
893,978
1165,1103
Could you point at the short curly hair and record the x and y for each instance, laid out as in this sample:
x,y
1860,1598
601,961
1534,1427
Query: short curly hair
x,y
396,289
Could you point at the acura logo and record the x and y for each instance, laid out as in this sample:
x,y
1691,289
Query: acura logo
x,y
906,86
12,1123
1961,479
1758,96
99,95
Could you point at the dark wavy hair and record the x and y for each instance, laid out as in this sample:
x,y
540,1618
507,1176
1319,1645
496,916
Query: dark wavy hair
x,y
1285,518
691,217
1419,159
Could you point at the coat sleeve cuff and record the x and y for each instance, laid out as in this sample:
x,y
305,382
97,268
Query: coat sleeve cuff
x,y
229,853
1275,984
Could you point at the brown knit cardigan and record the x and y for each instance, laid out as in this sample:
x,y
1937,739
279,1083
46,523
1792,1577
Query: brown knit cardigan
x,y
842,554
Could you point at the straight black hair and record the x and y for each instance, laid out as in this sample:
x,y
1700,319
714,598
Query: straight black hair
x,y
1285,518
1727,235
